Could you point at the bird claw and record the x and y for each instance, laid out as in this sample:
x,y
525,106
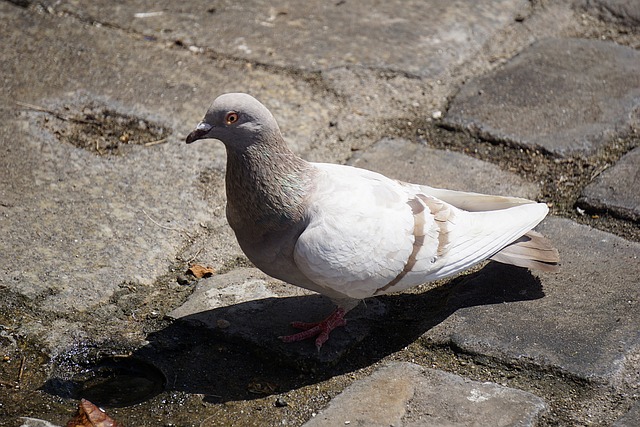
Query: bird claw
x,y
320,330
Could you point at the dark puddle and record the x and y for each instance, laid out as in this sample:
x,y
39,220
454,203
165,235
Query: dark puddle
x,y
111,382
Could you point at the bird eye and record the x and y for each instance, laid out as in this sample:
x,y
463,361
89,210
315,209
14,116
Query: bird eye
x,y
231,117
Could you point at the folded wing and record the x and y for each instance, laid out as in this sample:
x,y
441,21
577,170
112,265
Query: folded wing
x,y
370,235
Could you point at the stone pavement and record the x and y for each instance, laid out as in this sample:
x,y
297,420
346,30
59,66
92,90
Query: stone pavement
x,y
407,394
614,189
103,207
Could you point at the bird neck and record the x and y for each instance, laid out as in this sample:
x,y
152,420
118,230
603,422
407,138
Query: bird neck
x,y
266,187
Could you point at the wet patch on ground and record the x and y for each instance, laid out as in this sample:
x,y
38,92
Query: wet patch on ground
x,y
110,381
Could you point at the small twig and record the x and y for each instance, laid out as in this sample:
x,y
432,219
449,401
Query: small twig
x,y
195,256
36,108
54,113
147,14
599,170
179,229
121,355
21,371
156,142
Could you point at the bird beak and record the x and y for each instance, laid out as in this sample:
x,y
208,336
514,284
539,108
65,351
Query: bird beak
x,y
200,132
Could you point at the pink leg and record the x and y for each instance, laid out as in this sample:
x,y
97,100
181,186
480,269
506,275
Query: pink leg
x,y
319,329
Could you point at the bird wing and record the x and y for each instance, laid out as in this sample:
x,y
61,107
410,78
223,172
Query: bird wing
x,y
359,233
370,235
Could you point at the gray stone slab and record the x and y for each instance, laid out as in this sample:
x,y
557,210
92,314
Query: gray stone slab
x,y
565,96
419,164
631,418
405,394
625,11
247,305
617,189
417,38
77,224
585,325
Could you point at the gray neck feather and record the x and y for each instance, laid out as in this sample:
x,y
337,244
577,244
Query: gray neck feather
x,y
266,187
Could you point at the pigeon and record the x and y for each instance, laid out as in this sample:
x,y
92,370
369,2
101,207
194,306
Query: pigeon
x,y
350,233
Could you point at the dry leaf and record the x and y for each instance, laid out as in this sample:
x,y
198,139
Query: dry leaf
x,y
258,387
89,415
199,271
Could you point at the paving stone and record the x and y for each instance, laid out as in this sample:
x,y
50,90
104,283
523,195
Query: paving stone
x,y
565,96
631,418
625,11
413,162
616,189
247,305
585,325
416,38
405,394
76,224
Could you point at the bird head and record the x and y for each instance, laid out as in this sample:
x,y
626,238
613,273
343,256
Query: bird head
x,y
238,120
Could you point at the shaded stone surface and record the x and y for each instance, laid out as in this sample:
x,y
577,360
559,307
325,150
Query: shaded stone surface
x,y
617,189
248,305
417,38
405,394
419,164
586,324
565,96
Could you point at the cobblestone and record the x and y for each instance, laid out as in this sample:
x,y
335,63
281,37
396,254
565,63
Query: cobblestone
x,y
566,96
405,394
616,189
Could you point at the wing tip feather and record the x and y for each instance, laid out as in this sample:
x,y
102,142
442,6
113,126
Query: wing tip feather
x,y
533,251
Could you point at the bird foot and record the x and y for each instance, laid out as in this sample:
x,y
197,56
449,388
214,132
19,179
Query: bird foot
x,y
321,330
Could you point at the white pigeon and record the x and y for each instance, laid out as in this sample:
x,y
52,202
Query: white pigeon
x,y
350,233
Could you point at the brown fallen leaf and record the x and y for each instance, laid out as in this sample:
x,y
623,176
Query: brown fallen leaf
x,y
199,271
259,387
89,415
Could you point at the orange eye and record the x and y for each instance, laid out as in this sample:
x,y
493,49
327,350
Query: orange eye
x,y
231,117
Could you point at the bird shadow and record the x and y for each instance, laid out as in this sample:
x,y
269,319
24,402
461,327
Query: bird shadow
x,y
232,353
